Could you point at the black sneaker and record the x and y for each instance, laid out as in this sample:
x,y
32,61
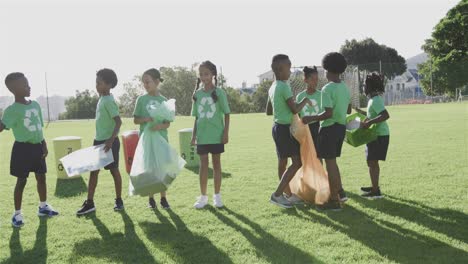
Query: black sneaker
x,y
118,204
330,205
151,203
366,189
343,197
164,203
86,208
373,195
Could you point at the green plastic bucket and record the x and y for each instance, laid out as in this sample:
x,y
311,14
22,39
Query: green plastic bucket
x,y
187,151
359,136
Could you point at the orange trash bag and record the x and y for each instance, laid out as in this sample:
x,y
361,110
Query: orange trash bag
x,y
311,181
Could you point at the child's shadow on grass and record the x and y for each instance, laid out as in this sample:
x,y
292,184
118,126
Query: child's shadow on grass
x,y
267,246
224,175
38,254
445,221
390,240
114,247
70,187
178,242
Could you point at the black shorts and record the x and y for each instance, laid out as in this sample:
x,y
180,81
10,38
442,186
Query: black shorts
x,y
377,149
330,141
115,152
26,158
286,145
210,148
314,131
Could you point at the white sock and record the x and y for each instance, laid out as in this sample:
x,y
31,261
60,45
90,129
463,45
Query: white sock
x,y
17,212
42,204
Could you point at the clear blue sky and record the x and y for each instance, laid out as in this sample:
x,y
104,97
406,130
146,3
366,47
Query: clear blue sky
x,y
70,40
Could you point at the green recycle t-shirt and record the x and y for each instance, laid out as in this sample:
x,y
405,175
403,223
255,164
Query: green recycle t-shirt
x,y
141,110
106,110
340,98
278,94
319,102
26,122
375,106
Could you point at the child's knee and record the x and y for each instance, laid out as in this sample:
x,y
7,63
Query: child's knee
x,y
40,178
21,182
373,163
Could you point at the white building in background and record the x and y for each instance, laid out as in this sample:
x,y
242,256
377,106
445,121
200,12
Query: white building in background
x,y
406,86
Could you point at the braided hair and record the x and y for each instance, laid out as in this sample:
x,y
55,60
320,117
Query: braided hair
x,y
212,68
308,71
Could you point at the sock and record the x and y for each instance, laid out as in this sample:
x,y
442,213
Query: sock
x,y
42,204
17,212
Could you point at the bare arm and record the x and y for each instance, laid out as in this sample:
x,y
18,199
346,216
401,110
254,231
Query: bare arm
x,y
322,116
383,116
296,108
227,120
110,141
360,111
269,108
141,120
194,132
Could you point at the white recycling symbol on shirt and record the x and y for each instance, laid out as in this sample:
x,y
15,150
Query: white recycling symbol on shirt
x,y
152,104
311,110
32,113
206,108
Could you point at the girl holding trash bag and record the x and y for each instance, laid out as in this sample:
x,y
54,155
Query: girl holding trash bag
x,y
151,80
211,129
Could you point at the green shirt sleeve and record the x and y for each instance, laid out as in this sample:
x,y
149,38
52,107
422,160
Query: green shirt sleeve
x,y
224,102
112,108
41,118
9,119
326,101
286,92
378,105
137,110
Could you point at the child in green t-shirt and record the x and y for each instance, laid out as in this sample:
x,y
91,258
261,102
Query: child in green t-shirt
x,y
211,129
282,106
108,124
151,80
320,108
332,130
378,115
29,152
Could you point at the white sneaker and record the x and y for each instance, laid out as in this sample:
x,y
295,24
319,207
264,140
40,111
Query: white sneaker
x,y
294,199
17,220
201,202
217,200
280,201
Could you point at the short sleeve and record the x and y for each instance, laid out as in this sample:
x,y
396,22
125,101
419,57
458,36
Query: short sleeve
x,y
378,105
224,102
137,110
41,118
286,92
9,118
112,108
326,101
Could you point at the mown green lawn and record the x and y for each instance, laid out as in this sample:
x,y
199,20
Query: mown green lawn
x,y
423,219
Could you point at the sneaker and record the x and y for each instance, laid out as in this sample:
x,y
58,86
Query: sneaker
x,y
280,201
164,203
17,220
201,202
217,200
295,200
47,211
343,197
118,204
373,195
330,205
86,208
366,189
152,203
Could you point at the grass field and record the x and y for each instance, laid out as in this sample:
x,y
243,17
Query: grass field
x,y
423,219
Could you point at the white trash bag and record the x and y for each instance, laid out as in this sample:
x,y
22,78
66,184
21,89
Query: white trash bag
x,y
87,159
